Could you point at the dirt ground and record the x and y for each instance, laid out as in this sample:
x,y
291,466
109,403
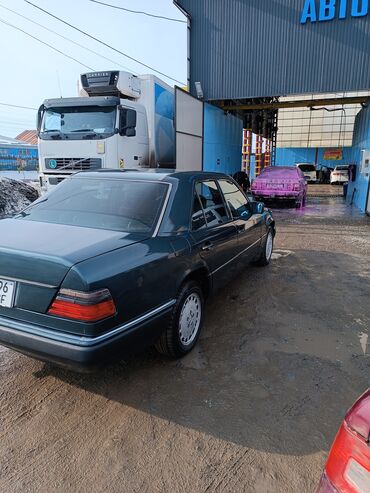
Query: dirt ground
x,y
254,408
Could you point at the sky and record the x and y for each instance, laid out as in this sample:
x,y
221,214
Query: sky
x,y
32,72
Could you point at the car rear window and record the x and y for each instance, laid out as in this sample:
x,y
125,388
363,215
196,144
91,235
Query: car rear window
x,y
307,167
279,172
118,205
341,168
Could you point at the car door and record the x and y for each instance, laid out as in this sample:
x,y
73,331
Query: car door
x,y
249,226
214,232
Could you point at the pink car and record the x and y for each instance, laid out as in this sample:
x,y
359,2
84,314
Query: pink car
x,y
280,182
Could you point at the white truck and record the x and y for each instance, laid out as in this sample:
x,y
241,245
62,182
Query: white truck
x,y
119,121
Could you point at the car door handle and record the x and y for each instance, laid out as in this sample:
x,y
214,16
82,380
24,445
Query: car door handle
x,y
207,246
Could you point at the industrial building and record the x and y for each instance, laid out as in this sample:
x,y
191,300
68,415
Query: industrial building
x,y
259,59
17,157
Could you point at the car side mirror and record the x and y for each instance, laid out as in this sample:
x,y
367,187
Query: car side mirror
x,y
127,122
130,132
257,207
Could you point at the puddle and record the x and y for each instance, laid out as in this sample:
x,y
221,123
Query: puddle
x,y
276,254
363,336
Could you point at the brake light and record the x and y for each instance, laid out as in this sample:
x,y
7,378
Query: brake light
x,y
358,417
83,306
348,464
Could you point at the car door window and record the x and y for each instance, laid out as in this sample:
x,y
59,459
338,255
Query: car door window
x,y
235,199
212,203
198,220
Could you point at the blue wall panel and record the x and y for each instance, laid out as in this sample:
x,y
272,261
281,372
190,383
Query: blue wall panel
x,y
12,158
290,156
361,141
255,48
222,147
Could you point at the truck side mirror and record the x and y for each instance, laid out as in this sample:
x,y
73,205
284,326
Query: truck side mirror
x,y
127,122
40,114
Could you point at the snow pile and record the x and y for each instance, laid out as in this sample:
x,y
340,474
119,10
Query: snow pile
x,y
15,196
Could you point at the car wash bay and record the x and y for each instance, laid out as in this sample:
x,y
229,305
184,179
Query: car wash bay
x,y
254,407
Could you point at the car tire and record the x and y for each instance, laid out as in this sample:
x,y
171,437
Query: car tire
x,y
267,249
182,333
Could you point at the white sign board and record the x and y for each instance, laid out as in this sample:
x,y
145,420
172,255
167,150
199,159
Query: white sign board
x,y
189,131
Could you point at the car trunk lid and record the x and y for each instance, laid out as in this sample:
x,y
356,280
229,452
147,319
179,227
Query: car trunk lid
x,y
37,256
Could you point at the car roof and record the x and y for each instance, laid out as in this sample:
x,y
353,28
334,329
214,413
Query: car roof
x,y
281,168
151,174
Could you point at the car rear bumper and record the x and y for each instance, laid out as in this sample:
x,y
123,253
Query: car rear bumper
x,y
326,486
277,194
85,353
339,179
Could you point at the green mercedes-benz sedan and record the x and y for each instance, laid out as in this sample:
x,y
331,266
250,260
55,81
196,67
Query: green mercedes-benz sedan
x,y
112,261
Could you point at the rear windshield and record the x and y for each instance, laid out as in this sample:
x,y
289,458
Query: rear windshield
x,y
279,170
307,167
118,205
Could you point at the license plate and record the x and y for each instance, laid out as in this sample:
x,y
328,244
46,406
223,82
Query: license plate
x,y
7,289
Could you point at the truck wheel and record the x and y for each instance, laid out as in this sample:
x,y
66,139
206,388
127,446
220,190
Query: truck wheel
x,y
183,331
266,250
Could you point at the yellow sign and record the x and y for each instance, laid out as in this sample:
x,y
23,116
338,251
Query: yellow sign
x,y
333,154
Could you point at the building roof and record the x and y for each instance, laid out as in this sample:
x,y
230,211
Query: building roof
x,y
28,136
7,140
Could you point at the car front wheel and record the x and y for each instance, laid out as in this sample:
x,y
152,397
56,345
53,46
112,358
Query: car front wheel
x,y
267,249
183,331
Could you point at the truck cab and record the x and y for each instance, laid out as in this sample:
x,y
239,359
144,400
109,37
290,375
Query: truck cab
x,y
114,123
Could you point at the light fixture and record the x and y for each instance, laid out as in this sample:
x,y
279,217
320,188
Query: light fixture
x,y
198,88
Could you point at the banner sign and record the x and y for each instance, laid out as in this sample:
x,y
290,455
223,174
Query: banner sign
x,y
333,155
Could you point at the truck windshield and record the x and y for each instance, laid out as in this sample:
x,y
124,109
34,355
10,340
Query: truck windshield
x,y
79,119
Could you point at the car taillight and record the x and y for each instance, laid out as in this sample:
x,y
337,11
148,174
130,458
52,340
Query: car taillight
x,y
83,306
358,417
296,187
348,464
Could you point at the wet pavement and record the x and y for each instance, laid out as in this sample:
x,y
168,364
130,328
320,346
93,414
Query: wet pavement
x,y
254,408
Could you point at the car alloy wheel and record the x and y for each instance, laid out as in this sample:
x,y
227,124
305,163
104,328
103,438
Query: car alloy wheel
x,y
189,320
267,249
269,246
183,331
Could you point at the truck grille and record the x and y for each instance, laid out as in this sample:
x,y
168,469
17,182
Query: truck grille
x,y
72,164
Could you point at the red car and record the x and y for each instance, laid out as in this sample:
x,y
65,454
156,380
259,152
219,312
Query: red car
x,y
347,468
280,183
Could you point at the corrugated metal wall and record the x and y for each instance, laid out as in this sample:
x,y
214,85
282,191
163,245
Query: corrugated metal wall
x,y
222,141
258,48
290,156
361,141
